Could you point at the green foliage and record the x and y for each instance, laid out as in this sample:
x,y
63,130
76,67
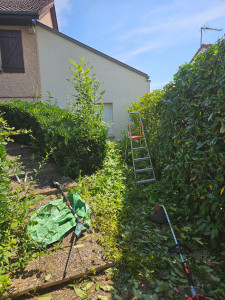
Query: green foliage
x,y
78,134
86,99
14,205
146,269
79,146
185,128
105,188
184,124
85,104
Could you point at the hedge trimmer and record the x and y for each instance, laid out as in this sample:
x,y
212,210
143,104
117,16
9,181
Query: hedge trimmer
x,y
79,225
161,217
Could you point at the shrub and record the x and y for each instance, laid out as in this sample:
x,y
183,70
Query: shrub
x,y
13,210
185,126
78,134
78,150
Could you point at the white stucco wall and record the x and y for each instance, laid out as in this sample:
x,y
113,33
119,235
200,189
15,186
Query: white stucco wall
x,y
122,85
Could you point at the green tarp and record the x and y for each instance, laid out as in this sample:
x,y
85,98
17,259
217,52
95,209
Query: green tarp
x,y
51,222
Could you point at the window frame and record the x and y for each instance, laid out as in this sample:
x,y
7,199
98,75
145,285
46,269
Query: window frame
x,y
110,128
11,45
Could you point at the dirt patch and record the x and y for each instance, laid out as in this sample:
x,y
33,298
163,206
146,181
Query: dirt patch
x,y
100,284
46,271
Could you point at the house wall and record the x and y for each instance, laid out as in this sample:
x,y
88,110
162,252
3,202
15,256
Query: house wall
x,y
47,19
122,85
22,85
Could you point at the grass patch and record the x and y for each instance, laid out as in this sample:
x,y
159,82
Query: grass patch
x,y
15,246
103,190
146,270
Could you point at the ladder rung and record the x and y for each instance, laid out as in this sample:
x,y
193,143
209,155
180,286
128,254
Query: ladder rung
x,y
143,170
141,158
145,181
137,137
140,148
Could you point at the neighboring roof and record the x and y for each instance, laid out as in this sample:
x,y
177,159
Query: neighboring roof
x,y
26,5
94,50
203,48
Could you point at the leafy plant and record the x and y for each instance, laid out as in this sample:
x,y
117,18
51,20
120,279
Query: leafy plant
x,y
86,98
184,124
43,162
184,128
80,147
105,187
14,245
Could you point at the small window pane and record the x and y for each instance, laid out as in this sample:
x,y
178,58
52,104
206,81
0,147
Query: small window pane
x,y
108,116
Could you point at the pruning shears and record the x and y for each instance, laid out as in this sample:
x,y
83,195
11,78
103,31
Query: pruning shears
x,y
25,178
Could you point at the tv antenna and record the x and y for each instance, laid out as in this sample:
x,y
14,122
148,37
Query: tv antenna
x,y
208,28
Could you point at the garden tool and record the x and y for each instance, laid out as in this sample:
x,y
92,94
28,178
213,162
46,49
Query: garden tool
x,y
161,217
25,178
79,225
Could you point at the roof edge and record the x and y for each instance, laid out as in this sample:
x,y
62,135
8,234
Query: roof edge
x,y
54,18
202,48
45,9
93,50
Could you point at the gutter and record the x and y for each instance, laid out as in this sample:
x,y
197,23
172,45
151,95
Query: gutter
x,y
18,18
33,14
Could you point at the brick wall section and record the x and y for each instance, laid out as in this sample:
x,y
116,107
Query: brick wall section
x,y
23,85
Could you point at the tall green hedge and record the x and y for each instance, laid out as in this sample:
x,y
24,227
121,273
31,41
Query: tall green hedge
x,y
185,126
80,145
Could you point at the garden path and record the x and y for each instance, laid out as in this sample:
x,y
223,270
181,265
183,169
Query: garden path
x,y
46,271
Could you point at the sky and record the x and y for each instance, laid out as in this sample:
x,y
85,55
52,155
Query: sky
x,y
153,36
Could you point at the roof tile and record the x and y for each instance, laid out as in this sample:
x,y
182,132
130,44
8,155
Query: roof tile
x,y
25,5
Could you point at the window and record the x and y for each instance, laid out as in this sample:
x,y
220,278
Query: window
x,y
11,51
108,116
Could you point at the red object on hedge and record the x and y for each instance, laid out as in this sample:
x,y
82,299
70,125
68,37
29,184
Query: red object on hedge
x,y
198,297
135,137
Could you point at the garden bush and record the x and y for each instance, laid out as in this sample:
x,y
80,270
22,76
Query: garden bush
x,y
120,215
78,149
185,128
78,135
14,206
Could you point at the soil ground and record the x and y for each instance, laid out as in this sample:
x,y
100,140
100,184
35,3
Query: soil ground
x,y
43,275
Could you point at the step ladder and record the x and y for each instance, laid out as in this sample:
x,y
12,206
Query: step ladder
x,y
143,169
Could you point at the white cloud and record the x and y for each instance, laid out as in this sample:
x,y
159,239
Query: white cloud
x,y
62,5
200,18
145,47
172,29
177,23
137,32
62,8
